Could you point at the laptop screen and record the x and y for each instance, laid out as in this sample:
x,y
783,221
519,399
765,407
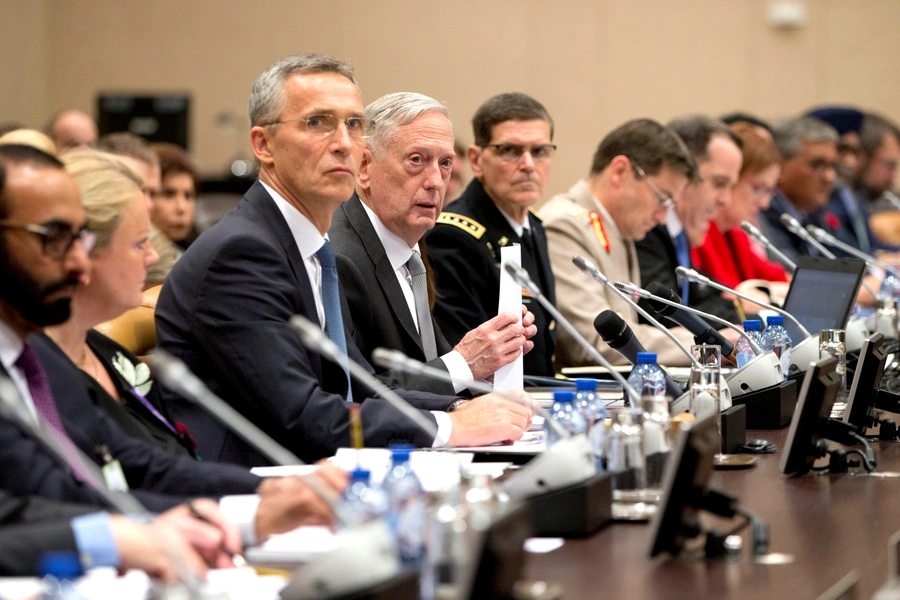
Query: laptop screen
x,y
822,294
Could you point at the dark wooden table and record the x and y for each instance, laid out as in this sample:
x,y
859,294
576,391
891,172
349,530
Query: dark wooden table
x,y
830,524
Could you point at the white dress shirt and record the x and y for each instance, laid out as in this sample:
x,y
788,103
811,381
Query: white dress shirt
x,y
519,228
309,240
398,253
673,224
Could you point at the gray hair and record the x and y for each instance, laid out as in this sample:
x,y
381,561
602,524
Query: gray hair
x,y
267,95
789,135
387,114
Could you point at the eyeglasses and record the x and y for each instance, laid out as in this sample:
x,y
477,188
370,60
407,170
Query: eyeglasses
x,y
664,201
325,125
760,190
513,152
57,238
820,165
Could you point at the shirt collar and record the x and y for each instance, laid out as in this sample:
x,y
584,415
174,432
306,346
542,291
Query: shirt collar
x,y
11,346
396,249
519,228
604,214
673,223
306,236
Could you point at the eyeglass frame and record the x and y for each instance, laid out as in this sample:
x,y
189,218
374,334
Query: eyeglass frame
x,y
522,150
364,122
664,201
84,235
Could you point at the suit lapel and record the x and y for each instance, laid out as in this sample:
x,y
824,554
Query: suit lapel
x,y
268,215
384,273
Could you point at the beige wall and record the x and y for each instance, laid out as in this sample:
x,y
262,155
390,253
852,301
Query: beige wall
x,y
593,63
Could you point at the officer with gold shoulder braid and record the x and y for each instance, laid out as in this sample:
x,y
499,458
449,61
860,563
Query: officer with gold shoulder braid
x,y
636,171
510,160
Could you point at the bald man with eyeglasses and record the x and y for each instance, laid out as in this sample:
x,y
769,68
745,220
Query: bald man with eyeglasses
x,y
510,161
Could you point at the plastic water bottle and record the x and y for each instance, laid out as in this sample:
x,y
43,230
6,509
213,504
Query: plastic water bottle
x,y
646,378
566,414
407,513
588,403
59,571
742,348
364,500
776,338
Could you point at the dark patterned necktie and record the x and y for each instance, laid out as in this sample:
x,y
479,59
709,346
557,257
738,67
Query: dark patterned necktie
x,y
39,387
331,302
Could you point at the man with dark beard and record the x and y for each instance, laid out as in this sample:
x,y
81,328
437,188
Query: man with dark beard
x,y
43,258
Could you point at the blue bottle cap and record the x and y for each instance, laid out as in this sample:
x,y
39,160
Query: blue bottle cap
x,y
752,325
400,452
586,385
563,396
775,320
62,565
646,358
360,475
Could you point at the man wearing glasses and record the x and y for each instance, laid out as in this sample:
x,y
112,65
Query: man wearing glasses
x,y
226,306
510,161
636,171
715,149
808,150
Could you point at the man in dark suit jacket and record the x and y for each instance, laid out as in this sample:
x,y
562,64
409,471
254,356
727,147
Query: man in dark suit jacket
x,y
226,306
716,150
376,237
43,258
511,160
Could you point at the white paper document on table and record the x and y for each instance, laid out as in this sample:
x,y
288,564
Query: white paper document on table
x,y
509,377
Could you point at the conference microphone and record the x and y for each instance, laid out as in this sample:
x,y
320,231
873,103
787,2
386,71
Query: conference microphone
x,y
826,238
589,269
394,359
667,303
618,335
567,462
695,277
763,371
794,226
802,354
13,409
175,375
522,278
751,230
703,332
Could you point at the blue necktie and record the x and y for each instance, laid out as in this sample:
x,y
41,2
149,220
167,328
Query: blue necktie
x,y
331,301
683,253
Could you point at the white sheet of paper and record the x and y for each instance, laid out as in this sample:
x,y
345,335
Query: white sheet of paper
x,y
509,377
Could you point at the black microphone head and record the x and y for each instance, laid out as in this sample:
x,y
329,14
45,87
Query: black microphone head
x,y
613,329
658,289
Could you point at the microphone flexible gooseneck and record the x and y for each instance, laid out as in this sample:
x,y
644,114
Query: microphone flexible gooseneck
x,y
175,375
673,301
394,359
826,238
751,230
521,276
694,276
794,226
589,269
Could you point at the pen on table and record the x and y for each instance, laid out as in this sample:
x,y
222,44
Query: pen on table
x,y
237,559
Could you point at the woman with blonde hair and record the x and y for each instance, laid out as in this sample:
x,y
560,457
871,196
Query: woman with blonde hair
x,y
119,383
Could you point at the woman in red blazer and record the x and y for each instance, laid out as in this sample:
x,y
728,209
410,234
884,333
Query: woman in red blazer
x,y
728,255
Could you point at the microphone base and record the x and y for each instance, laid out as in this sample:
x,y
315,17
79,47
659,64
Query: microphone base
x,y
734,428
568,462
770,407
576,511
